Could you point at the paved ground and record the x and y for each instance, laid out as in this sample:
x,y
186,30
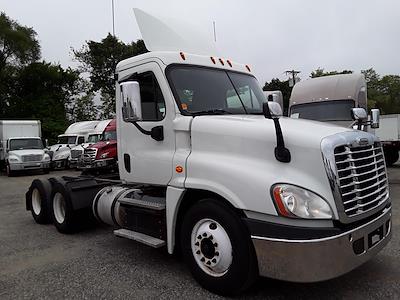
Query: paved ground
x,y
38,262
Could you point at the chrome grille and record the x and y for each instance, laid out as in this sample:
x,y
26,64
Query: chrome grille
x,y
89,154
361,175
32,157
75,154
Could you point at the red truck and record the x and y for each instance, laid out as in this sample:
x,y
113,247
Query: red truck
x,y
103,155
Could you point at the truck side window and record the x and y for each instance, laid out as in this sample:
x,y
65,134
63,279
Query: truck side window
x,y
153,104
81,140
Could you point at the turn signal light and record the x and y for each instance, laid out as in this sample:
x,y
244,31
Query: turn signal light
x,y
179,169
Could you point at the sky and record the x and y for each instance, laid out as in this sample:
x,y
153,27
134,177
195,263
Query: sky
x,y
270,36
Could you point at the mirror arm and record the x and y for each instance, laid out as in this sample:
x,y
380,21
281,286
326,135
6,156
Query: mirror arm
x,y
157,132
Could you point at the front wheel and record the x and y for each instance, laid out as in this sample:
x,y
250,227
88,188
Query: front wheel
x,y
217,248
9,172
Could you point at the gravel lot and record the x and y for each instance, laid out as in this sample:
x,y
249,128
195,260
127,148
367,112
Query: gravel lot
x,y
38,262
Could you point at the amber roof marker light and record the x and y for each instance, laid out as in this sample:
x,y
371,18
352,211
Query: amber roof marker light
x,y
182,55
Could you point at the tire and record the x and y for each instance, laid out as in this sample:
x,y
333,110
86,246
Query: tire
x,y
38,200
391,156
217,248
9,172
65,218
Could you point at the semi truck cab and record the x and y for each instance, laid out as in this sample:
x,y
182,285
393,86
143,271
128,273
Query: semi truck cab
x,y
209,167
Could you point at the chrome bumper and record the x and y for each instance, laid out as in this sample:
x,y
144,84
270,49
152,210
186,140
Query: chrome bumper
x,y
29,166
325,258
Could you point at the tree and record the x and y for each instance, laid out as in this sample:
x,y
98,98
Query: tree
x,y
18,44
18,47
320,72
41,92
100,59
283,86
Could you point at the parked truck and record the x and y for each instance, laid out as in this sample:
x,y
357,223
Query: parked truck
x,y
102,156
21,147
95,136
76,134
389,134
234,187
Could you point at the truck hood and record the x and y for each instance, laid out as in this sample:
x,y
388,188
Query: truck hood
x,y
19,153
234,154
62,153
58,147
104,144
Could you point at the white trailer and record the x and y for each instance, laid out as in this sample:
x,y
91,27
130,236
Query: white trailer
x,y
238,189
21,146
389,134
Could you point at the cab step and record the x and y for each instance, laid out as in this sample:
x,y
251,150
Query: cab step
x,y
140,237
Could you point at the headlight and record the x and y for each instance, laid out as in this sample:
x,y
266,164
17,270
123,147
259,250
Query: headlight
x,y
13,159
104,155
296,202
46,157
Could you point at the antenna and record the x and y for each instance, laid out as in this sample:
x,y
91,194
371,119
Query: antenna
x,y
113,18
215,32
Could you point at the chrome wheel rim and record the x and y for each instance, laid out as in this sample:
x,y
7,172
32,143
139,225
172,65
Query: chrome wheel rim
x,y
59,207
211,247
36,202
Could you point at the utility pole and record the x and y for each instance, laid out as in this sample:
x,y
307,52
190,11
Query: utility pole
x,y
293,73
113,18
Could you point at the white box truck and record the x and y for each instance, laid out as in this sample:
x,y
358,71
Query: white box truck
x,y
76,134
389,134
21,147
239,190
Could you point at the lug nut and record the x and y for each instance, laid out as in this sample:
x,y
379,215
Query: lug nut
x,y
203,259
197,244
199,237
213,226
215,244
214,260
204,234
210,237
217,253
198,252
208,263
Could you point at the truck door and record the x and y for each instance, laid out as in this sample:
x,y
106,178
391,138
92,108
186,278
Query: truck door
x,y
141,158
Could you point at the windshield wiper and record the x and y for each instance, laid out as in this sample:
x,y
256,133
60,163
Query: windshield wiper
x,y
217,111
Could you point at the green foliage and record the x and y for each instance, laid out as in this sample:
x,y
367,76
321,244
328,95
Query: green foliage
x,y
99,59
320,72
18,44
41,92
383,92
283,86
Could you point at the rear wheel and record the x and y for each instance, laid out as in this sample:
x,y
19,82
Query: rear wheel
x,y
38,200
217,248
65,218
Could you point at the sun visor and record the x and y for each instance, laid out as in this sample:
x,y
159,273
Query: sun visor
x,y
171,35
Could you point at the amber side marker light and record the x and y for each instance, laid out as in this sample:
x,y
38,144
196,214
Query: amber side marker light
x,y
221,61
229,62
248,68
279,203
212,59
182,55
179,169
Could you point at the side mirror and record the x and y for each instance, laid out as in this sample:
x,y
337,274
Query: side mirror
x,y
375,113
131,101
359,114
275,109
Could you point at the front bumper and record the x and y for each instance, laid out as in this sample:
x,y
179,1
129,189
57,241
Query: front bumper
x,y
311,260
60,163
107,163
29,166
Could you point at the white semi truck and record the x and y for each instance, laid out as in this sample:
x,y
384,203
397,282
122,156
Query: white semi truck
x,y
21,147
76,134
93,138
239,190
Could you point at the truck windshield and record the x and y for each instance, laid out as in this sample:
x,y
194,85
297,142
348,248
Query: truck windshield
x,y
109,136
338,110
94,138
66,140
20,144
200,90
